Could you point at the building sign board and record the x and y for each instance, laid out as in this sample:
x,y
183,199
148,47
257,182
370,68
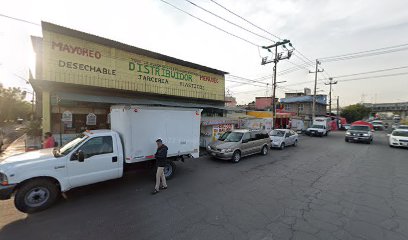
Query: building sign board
x,y
72,60
66,116
91,119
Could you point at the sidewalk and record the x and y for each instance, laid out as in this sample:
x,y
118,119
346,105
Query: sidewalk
x,y
16,147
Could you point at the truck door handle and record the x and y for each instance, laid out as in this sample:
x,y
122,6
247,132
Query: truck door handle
x,y
114,159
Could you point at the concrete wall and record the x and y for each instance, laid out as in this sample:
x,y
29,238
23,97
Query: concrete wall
x,y
262,103
307,109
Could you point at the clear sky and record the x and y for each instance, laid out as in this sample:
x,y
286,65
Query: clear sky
x,y
317,28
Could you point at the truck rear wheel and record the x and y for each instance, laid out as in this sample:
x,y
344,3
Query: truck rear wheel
x,y
169,169
36,195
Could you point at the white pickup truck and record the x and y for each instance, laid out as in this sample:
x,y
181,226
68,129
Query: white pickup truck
x,y
37,178
321,127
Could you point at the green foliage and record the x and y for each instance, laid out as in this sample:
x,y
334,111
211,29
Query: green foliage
x,y
13,105
355,112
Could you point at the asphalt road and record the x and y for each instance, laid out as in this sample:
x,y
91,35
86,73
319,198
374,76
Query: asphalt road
x,y
323,189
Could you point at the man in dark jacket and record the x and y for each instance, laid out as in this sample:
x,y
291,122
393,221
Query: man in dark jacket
x,y
161,158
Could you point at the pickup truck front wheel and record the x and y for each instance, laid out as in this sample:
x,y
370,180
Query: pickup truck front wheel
x,y
36,195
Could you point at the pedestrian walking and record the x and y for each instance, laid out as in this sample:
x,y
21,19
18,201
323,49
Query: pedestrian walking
x,y
49,141
161,158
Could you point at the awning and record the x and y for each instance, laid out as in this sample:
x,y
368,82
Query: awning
x,y
266,114
131,101
207,121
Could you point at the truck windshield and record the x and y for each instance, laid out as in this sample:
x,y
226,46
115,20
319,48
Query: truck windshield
x,y
231,137
67,148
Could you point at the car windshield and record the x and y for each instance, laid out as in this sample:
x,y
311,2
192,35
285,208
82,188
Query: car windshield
x,y
224,136
400,133
360,128
231,137
318,126
403,127
277,133
67,148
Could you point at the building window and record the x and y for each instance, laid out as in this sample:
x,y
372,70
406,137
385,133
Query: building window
x,y
301,107
287,107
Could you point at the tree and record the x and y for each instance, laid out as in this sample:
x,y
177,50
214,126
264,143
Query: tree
x,y
12,104
355,112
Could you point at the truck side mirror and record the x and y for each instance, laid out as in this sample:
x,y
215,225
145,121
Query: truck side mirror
x,y
80,156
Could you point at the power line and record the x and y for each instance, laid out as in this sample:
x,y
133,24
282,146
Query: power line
x,y
376,71
212,25
367,51
306,62
262,29
353,79
302,66
19,19
247,83
378,76
308,59
365,55
226,20
234,76
281,73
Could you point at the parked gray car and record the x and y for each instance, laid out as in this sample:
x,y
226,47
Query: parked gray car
x,y
233,145
282,138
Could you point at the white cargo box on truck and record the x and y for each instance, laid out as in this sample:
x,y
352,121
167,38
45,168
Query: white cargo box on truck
x,y
140,127
324,121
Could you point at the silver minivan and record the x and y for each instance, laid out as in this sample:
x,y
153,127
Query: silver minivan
x,y
235,144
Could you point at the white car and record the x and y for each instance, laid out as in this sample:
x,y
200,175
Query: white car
x,y
281,138
398,138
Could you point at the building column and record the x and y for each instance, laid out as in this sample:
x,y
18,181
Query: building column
x,y
46,112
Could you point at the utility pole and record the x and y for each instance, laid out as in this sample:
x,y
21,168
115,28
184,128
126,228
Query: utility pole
x,y
338,109
330,92
277,58
315,85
